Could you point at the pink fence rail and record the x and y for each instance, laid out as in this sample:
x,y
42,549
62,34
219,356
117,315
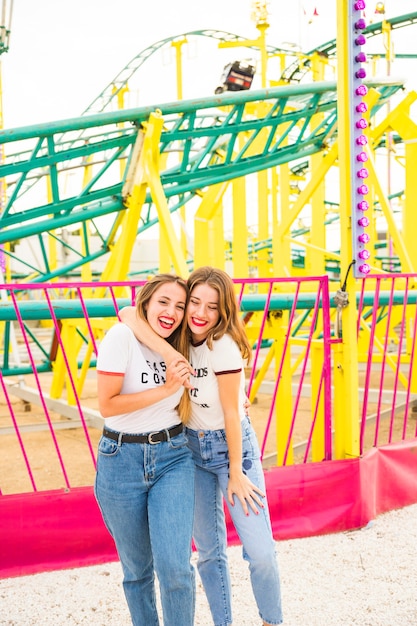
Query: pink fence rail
x,y
50,425
387,324
49,412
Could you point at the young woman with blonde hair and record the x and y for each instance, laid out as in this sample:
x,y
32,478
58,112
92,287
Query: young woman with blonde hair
x,y
145,473
224,447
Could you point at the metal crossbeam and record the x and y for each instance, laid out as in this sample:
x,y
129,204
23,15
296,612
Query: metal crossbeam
x,y
208,141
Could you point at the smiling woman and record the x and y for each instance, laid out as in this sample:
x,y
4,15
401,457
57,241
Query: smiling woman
x,y
224,446
143,452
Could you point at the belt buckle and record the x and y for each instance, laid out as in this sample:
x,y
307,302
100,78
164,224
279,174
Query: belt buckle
x,y
150,440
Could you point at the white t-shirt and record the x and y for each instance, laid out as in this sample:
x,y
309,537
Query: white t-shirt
x,y
224,358
142,368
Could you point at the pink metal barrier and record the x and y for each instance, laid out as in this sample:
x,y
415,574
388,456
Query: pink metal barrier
x,y
387,324
63,529
48,515
45,374
36,345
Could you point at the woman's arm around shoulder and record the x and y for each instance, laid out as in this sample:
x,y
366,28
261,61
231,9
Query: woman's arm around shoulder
x,y
112,363
144,333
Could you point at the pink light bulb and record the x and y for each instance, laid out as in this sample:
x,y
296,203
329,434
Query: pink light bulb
x,y
361,107
362,157
362,173
363,205
360,40
364,254
364,238
362,140
363,190
361,73
361,90
359,5
364,222
362,123
364,268
360,24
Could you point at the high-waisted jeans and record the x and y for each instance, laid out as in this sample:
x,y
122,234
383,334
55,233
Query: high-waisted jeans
x,y
146,496
210,454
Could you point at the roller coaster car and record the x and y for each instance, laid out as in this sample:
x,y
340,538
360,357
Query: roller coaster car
x,y
236,76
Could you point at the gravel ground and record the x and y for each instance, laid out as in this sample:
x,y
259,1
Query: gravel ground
x,y
366,577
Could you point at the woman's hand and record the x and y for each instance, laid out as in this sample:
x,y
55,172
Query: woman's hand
x,y
246,406
178,374
144,333
246,492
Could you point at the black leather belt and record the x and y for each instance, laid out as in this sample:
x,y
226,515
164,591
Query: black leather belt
x,y
155,437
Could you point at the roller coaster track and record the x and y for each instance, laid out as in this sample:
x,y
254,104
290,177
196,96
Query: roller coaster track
x,y
109,93
202,134
205,142
401,21
293,73
296,71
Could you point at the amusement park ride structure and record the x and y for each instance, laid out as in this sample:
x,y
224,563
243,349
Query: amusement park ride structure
x,y
245,180
204,165
243,177
79,195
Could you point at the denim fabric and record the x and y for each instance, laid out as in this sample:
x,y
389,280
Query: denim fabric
x,y
146,496
210,453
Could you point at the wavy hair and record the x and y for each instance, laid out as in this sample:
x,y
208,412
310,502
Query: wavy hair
x,y
179,338
229,321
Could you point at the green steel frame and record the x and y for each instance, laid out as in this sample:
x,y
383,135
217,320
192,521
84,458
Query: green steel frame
x,y
211,140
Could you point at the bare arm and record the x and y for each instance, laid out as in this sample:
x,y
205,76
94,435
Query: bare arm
x,y
144,333
239,483
112,402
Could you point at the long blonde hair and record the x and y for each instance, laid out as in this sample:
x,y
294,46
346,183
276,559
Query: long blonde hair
x,y
229,320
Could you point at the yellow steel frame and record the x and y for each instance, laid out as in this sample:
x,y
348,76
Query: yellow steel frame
x,y
277,214
143,174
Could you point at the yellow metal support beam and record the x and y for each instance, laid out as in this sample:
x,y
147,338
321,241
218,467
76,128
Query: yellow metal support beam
x,y
318,175
263,223
284,399
314,262
143,174
240,229
152,174
400,247
281,251
177,44
204,230
346,357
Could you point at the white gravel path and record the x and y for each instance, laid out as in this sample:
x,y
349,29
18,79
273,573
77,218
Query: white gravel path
x,y
366,578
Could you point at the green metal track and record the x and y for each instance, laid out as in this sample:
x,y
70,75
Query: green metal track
x,y
110,92
296,71
200,137
207,141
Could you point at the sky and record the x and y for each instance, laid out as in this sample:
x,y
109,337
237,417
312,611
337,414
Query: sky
x,y
64,53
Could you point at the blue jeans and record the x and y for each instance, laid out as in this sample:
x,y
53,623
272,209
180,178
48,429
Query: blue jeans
x,y
210,453
146,496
